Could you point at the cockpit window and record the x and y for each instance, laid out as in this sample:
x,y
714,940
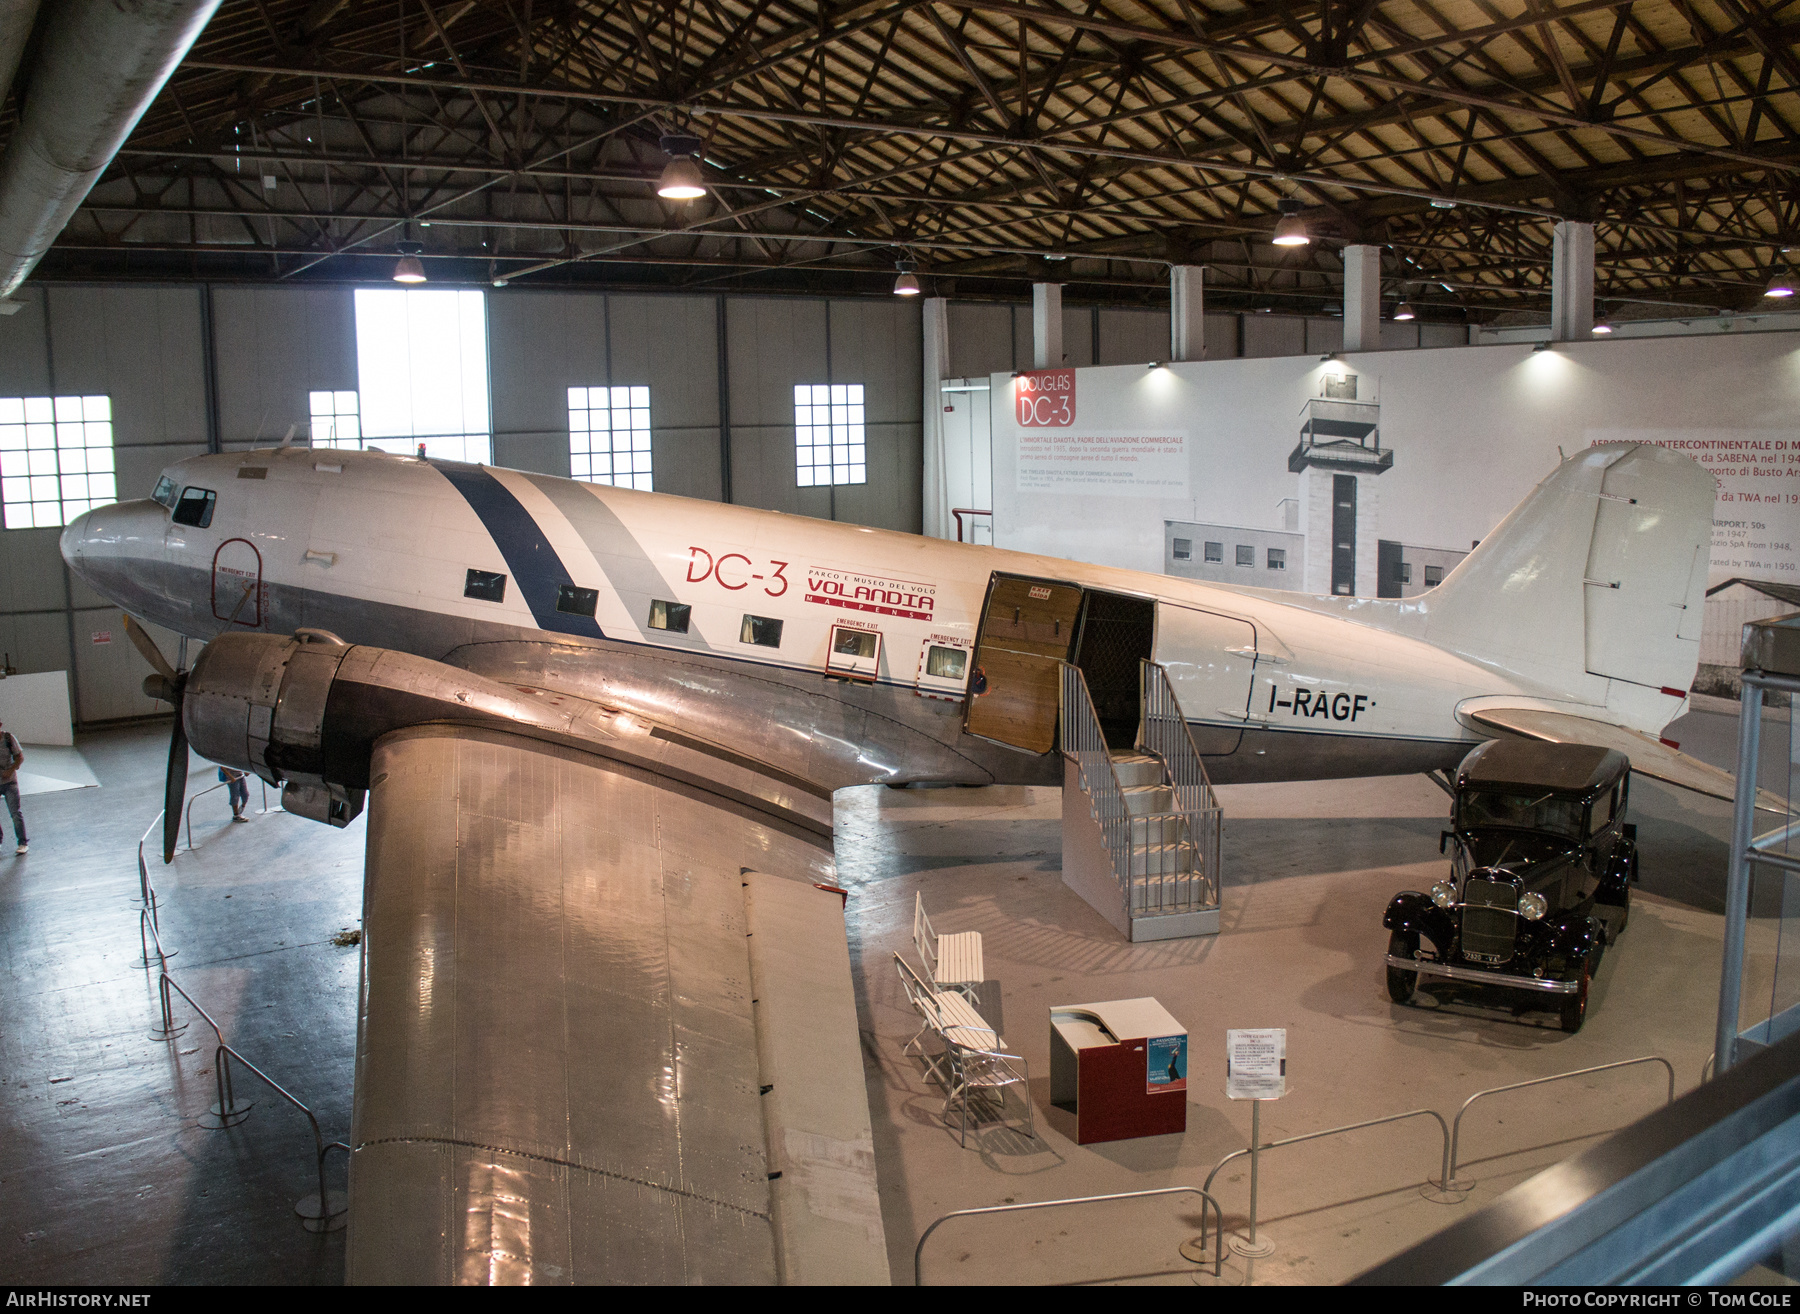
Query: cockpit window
x,y
165,491
195,507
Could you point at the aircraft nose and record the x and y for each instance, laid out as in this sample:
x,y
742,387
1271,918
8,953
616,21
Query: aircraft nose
x,y
73,537
125,530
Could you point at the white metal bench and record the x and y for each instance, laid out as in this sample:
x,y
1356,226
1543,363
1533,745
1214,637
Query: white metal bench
x,y
952,962
972,1064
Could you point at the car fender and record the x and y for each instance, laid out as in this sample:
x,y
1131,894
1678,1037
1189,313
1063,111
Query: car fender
x,y
1413,912
1574,936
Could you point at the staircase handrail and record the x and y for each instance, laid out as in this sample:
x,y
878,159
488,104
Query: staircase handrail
x,y
1083,741
1163,732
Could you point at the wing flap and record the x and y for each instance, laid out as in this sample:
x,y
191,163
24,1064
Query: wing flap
x,y
1650,757
557,1076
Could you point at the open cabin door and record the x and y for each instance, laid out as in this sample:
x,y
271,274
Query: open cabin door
x,y
1027,629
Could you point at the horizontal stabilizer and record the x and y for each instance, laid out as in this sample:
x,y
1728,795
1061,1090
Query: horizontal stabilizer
x,y
1649,757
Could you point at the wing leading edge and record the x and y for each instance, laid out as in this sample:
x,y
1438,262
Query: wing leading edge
x,y
557,1053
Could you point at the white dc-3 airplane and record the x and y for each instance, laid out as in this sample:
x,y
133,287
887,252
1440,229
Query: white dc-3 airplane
x,y
588,722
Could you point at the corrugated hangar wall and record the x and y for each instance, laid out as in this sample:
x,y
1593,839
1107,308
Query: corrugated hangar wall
x,y
190,365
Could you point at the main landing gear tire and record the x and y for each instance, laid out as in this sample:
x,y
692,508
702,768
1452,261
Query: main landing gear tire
x,y
1401,983
1574,1008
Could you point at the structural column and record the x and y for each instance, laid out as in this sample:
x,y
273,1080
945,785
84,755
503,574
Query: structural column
x,y
1571,281
1046,326
1362,298
935,360
1187,313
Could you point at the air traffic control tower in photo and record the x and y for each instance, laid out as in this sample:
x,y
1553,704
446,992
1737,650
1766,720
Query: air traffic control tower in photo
x,y
1338,459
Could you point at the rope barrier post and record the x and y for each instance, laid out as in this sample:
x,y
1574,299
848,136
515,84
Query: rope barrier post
x,y
229,1111
168,1028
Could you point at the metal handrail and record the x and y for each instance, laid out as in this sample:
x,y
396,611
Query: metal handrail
x,y
1084,741
1450,1181
1163,732
1334,1131
227,1107
959,512
1205,1200
223,784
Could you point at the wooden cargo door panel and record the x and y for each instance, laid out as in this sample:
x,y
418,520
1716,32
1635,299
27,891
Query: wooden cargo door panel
x,y
1026,632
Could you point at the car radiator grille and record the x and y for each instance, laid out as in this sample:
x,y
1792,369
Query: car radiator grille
x,y
1489,920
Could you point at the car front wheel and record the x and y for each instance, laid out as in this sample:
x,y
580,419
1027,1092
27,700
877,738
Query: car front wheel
x,y
1400,982
1574,1007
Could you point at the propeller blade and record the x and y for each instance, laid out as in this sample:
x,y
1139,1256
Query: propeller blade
x,y
141,640
175,783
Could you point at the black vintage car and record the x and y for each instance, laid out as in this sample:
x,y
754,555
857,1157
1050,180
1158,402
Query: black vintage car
x,y
1541,847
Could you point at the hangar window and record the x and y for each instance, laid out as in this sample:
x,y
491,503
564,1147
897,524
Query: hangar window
x,y
1277,558
828,435
485,586
56,458
1184,549
763,631
577,601
609,436
336,419
1246,555
196,507
671,616
422,372
1434,575
1215,553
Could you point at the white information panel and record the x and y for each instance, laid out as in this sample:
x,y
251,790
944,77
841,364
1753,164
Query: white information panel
x,y
1256,1064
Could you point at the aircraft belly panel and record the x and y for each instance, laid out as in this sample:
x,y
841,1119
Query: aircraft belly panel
x,y
556,1063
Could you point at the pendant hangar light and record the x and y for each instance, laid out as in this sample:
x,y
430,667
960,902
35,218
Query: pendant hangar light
x,y
907,284
408,269
681,179
1781,281
1404,311
1290,229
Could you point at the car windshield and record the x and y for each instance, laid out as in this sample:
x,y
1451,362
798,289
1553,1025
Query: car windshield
x,y
1543,812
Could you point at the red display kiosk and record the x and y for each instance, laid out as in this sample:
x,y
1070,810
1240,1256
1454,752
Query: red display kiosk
x,y
1120,1067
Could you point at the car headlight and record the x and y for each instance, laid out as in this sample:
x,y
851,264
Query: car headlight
x,y
1533,906
1443,894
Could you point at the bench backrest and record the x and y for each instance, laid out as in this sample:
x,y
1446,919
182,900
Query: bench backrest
x,y
924,938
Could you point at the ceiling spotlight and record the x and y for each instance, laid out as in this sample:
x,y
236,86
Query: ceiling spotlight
x,y
907,285
1601,327
681,180
499,282
1290,229
1540,346
408,269
1781,284
1404,310
1154,365
1438,204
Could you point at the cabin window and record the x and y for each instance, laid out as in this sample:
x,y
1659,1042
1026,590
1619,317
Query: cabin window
x,y
165,491
485,586
1215,553
1184,549
829,435
56,458
577,601
196,507
609,436
1246,555
671,616
1434,575
946,663
763,631
1277,558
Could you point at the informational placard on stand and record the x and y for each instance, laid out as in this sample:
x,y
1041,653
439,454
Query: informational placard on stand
x,y
1256,1064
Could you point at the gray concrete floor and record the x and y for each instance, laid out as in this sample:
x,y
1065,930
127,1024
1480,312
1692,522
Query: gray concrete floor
x,y
106,1174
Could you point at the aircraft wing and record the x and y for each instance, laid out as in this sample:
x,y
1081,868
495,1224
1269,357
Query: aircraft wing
x,y
1649,756
592,1046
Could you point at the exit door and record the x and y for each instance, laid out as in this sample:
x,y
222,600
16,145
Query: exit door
x,y
237,583
1026,631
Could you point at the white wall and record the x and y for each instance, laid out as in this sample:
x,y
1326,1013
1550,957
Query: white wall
x,y
1472,429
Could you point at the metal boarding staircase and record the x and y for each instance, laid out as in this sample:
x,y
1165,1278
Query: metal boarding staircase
x,y
1140,827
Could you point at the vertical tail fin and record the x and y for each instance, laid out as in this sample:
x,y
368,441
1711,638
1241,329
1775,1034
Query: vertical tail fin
x,y
1593,588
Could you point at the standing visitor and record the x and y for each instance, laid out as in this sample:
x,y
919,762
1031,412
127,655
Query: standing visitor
x,y
12,757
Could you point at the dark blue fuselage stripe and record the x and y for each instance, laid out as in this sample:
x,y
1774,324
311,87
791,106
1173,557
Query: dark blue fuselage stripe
x,y
535,567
